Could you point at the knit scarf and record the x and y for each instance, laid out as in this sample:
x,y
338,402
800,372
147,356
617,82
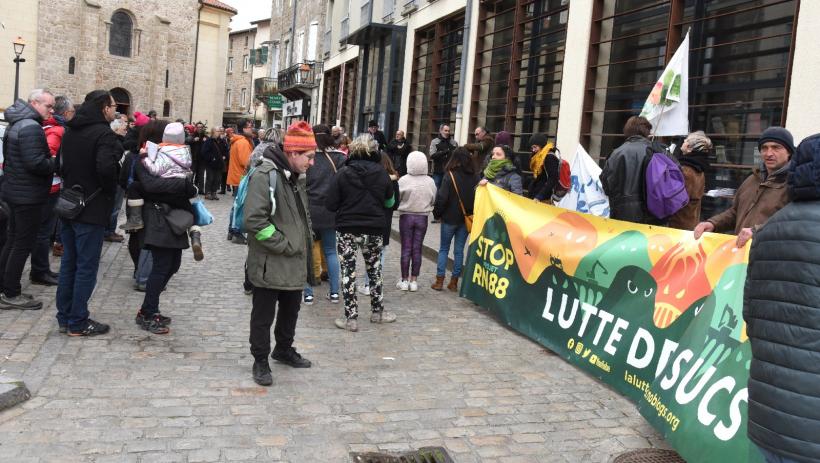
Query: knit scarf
x,y
537,161
495,166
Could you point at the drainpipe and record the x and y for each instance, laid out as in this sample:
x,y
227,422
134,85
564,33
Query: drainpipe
x,y
196,52
465,51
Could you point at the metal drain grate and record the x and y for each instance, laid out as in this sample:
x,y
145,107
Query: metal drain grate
x,y
649,456
422,455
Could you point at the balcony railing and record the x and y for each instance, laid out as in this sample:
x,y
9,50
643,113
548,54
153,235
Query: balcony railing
x,y
264,87
300,76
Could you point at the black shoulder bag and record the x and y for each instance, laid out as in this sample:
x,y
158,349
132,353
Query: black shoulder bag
x,y
72,201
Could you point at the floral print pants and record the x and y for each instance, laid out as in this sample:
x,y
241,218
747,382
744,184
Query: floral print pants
x,y
371,245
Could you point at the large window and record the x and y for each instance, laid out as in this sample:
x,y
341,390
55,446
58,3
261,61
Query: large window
x,y
435,80
243,98
246,63
739,64
228,99
119,37
519,65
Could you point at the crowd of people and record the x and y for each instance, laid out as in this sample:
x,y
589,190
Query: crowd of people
x,y
312,198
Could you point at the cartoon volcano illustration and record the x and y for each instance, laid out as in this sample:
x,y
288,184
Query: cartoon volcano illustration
x,y
682,280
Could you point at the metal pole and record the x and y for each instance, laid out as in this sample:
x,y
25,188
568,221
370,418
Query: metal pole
x,y
17,78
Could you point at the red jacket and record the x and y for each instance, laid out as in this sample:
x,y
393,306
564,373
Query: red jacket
x,y
54,137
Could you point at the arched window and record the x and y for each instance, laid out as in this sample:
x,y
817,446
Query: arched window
x,y
119,38
166,108
71,62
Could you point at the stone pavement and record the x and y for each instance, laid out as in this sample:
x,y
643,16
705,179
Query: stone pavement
x,y
446,374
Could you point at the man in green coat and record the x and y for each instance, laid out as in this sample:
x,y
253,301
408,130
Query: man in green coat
x,y
279,247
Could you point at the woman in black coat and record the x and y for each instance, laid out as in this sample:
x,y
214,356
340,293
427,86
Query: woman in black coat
x,y
452,201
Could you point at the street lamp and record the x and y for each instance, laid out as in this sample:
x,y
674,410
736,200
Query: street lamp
x,y
19,45
304,71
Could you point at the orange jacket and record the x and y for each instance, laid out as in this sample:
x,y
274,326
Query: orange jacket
x,y
241,149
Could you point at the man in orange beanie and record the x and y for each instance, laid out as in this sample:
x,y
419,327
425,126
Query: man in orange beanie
x,y
279,259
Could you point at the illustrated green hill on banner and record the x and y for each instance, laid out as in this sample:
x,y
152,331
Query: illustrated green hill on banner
x,y
650,311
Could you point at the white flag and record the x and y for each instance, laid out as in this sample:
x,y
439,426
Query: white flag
x,y
586,194
667,107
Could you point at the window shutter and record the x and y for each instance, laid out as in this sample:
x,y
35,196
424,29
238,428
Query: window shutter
x,y
263,55
252,57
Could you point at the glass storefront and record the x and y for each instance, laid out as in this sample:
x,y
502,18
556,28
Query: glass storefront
x,y
518,68
739,66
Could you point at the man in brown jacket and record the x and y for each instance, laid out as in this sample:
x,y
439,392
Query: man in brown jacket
x,y
482,149
762,194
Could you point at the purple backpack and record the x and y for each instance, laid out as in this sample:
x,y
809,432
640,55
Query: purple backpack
x,y
665,187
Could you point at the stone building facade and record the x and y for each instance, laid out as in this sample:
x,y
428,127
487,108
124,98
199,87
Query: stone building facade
x,y
143,51
298,39
238,102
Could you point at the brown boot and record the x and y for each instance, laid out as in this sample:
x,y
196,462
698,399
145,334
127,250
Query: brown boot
x,y
439,284
453,285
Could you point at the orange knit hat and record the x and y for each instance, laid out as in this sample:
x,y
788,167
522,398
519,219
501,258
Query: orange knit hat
x,y
299,138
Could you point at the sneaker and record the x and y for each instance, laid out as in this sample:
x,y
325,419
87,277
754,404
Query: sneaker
x,y
403,285
92,328
114,238
333,297
261,373
63,329
364,290
382,317
140,318
154,325
290,357
349,324
139,287
239,239
19,302
248,292
414,286
307,300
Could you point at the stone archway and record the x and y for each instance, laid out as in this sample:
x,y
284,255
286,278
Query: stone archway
x,y
123,100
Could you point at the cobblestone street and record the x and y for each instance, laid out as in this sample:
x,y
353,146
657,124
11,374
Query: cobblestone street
x,y
446,374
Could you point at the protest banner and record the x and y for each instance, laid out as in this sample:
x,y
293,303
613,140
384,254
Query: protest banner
x,y
650,311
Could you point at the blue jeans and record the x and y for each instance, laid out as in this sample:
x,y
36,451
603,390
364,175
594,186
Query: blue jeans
x,y
328,237
82,246
144,266
448,232
772,457
437,178
115,213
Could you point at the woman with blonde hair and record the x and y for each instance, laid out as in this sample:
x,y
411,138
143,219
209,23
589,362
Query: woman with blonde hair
x,y
359,193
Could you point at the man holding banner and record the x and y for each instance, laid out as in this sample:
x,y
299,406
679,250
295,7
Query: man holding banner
x,y
762,193
782,314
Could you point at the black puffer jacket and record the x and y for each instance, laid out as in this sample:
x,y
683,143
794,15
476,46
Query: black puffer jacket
x,y
623,179
782,312
28,166
358,194
319,177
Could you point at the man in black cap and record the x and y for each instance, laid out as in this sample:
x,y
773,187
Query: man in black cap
x,y
378,135
762,193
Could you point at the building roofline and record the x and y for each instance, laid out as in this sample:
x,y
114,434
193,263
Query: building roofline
x,y
259,21
242,31
219,5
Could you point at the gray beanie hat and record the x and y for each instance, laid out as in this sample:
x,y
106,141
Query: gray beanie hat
x,y
174,133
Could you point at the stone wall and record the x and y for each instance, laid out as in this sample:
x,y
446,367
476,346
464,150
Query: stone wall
x,y
239,78
164,36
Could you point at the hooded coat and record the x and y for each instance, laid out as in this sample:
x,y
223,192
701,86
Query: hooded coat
x,y
278,225
417,190
28,167
358,195
781,307
90,152
238,159
319,178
